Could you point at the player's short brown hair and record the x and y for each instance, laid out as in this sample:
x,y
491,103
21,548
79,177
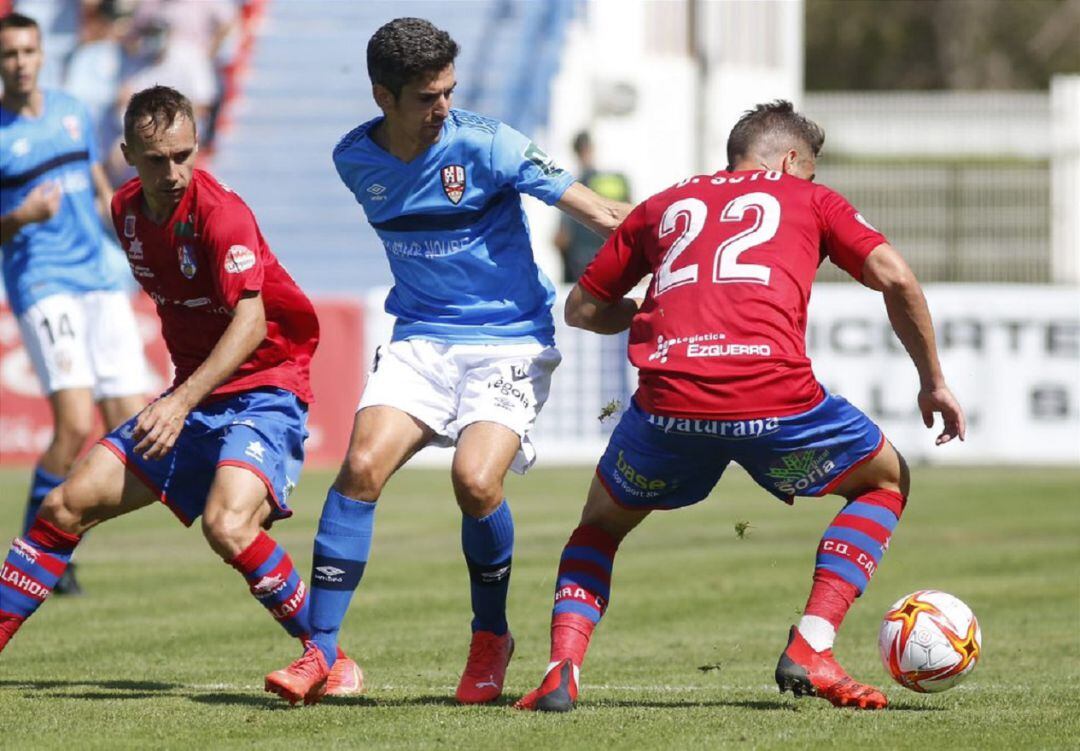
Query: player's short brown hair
x,y
18,21
405,49
161,104
769,127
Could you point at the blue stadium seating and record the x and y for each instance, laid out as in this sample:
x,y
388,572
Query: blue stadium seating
x,y
307,86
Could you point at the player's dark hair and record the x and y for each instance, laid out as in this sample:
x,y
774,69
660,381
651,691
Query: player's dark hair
x,y
771,127
18,21
161,105
582,141
405,49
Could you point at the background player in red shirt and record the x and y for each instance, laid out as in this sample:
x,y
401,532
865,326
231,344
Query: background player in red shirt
x,y
719,341
226,441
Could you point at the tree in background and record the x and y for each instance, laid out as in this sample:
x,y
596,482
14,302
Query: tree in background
x,y
940,44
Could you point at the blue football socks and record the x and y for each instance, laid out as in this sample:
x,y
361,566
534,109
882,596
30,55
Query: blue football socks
x,y
488,544
342,545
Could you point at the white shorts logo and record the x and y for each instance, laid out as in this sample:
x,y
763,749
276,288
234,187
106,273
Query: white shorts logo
x,y
255,450
239,258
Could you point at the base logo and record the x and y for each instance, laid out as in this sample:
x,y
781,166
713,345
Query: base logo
x,y
635,482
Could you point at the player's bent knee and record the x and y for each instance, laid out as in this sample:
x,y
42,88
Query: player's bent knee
x,y
229,533
361,476
477,493
70,437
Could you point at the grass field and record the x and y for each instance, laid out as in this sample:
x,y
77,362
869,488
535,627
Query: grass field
x,y
167,650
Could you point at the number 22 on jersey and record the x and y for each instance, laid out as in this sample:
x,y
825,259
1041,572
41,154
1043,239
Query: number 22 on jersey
x,y
727,269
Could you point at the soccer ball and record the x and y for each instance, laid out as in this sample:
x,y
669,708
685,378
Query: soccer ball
x,y
929,641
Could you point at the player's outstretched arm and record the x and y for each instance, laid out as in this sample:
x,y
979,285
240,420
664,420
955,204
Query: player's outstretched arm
x,y
159,425
886,271
585,311
40,205
599,214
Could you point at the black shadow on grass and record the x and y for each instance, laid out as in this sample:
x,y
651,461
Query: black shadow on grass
x,y
759,704
101,695
116,685
273,702
266,701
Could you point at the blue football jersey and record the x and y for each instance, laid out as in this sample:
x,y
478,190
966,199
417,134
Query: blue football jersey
x,y
65,253
455,233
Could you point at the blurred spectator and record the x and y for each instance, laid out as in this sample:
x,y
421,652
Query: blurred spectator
x,y
92,74
203,24
576,243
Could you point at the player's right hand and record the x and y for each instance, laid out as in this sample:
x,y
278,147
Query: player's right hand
x,y
41,203
942,400
159,425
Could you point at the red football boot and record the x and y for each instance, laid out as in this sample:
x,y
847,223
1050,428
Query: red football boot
x,y
558,691
485,670
804,672
346,678
304,679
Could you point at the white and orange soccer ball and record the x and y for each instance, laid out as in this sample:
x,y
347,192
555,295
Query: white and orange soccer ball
x,y
930,641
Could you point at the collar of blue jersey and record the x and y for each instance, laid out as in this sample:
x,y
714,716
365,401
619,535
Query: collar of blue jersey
x,y
432,151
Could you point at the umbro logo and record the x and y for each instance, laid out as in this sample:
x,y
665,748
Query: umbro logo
x,y
377,192
490,577
329,573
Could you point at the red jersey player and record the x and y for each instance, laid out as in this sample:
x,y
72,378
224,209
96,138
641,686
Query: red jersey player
x,y
719,342
226,441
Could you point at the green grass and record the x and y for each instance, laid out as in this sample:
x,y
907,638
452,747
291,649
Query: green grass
x,y
167,650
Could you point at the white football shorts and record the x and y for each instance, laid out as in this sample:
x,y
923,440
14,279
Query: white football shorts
x,y
88,340
450,386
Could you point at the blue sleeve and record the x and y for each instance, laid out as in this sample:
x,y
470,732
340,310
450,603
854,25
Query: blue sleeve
x,y
519,163
346,174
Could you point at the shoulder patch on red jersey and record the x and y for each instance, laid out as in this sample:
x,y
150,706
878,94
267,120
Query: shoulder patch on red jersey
x,y
239,258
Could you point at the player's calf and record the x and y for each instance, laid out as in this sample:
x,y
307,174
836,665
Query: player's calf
x,y
275,583
34,563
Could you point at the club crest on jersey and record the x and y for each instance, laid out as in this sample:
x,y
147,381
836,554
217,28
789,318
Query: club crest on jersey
x,y
187,261
73,127
129,226
453,182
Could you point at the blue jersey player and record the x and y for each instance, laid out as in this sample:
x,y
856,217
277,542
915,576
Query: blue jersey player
x,y
472,353
76,321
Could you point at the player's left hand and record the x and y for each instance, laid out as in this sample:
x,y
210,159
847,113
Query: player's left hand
x,y
159,425
941,400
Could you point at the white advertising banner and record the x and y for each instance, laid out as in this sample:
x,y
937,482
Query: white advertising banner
x,y
1010,353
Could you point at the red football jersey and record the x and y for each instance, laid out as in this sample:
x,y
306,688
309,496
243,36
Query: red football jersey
x,y
722,331
197,265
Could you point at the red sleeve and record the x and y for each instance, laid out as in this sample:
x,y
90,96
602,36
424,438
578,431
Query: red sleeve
x,y
847,237
232,242
621,263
